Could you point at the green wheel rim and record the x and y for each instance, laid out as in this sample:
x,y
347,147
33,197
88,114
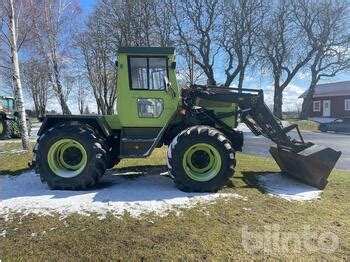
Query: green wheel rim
x,y
67,158
202,162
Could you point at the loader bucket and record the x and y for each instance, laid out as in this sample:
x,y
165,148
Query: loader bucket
x,y
312,165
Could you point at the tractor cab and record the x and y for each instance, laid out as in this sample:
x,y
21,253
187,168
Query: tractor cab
x,y
7,104
148,94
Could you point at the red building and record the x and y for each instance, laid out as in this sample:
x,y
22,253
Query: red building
x,y
330,100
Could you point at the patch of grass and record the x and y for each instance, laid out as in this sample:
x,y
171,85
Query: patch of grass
x,y
306,125
13,160
206,232
157,158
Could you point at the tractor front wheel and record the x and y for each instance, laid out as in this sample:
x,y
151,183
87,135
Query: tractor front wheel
x,y
201,159
71,156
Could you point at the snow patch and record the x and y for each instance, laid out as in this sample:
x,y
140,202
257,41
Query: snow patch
x,y
13,141
281,186
115,193
14,151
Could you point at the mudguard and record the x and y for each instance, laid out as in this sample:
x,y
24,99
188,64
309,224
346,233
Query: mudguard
x,y
95,121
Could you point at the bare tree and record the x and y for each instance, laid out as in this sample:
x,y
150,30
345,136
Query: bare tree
x,y
81,97
189,73
5,58
196,24
87,110
11,13
211,30
284,50
69,83
54,30
36,79
326,24
98,57
163,25
240,28
134,23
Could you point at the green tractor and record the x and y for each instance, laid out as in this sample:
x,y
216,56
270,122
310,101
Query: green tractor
x,y
197,124
9,119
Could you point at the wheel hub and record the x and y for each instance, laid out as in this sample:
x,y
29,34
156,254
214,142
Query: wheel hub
x,y
202,162
200,159
67,158
72,156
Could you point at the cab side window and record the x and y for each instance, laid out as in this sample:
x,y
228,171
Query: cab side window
x,y
11,105
147,73
138,72
157,72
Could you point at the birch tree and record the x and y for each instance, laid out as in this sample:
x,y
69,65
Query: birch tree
x,y
11,13
36,80
54,30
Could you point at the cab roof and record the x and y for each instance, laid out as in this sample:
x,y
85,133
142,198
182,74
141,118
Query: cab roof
x,y
147,50
6,97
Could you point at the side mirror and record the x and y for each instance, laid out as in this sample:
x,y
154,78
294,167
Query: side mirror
x,y
116,63
173,65
167,84
168,87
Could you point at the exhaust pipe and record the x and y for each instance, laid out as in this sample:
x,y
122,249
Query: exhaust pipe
x,y
312,165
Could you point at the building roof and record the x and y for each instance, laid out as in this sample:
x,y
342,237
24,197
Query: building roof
x,y
330,89
147,50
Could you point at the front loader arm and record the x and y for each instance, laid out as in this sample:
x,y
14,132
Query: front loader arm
x,y
253,111
307,162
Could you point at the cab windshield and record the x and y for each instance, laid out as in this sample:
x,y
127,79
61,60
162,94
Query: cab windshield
x,y
7,104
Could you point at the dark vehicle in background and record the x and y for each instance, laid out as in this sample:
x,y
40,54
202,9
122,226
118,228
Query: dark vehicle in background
x,y
338,125
10,126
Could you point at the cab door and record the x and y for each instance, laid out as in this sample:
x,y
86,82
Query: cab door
x,y
146,102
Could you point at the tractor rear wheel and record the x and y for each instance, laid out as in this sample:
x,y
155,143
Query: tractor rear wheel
x,y
201,159
2,128
70,156
6,128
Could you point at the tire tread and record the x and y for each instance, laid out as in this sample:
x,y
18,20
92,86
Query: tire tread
x,y
93,174
175,170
